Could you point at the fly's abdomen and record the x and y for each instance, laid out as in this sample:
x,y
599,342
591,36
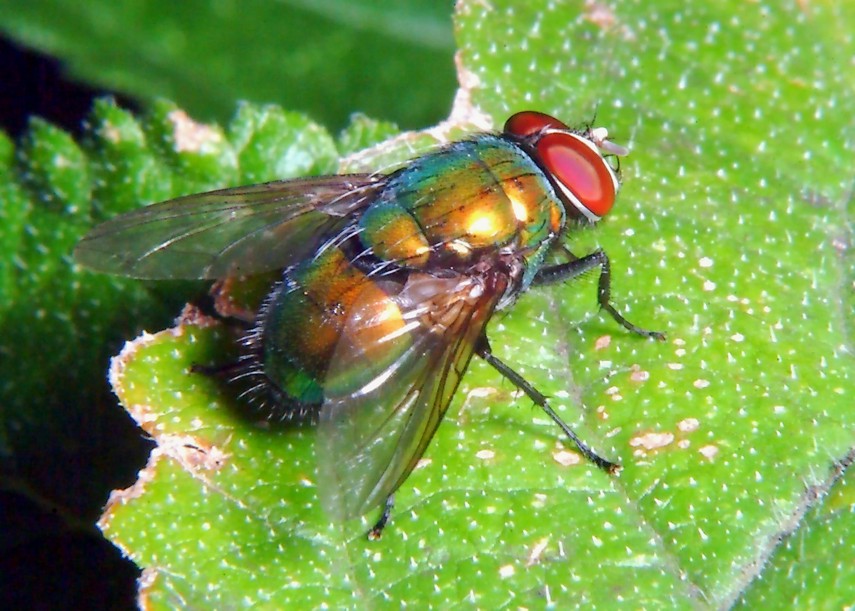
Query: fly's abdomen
x,y
302,322
474,196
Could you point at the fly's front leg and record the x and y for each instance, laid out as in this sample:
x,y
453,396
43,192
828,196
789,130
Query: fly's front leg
x,y
483,350
578,266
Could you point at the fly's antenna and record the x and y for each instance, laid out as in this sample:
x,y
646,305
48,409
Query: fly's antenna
x,y
600,137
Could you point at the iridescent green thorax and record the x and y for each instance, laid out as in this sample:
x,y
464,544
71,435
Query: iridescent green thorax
x,y
476,196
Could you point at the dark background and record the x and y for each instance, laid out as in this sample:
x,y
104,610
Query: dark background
x,y
32,84
50,558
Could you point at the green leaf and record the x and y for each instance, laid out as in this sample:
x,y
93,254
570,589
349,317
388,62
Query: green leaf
x,y
724,237
324,58
238,514
362,133
811,569
12,218
275,145
733,225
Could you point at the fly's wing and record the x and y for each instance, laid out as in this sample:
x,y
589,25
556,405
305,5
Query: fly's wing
x,y
390,381
243,230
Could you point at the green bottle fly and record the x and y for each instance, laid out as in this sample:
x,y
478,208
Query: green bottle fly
x,y
388,282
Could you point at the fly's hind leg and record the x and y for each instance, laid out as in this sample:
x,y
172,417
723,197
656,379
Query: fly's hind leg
x,y
377,530
205,305
578,266
223,371
484,351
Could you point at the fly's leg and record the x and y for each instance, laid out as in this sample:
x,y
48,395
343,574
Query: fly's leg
x,y
578,266
225,371
377,530
483,350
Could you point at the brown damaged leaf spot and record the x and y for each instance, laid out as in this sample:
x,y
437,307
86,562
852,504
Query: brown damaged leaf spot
x,y
600,14
485,454
195,457
603,342
615,392
709,451
651,441
145,584
536,552
638,374
423,463
120,498
689,425
192,453
475,401
566,458
191,136
110,132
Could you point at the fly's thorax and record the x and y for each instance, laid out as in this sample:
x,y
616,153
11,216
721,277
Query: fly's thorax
x,y
392,234
449,207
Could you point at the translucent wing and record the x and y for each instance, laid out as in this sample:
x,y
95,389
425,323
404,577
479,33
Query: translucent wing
x,y
234,231
390,381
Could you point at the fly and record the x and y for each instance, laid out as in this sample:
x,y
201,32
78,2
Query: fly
x,y
388,282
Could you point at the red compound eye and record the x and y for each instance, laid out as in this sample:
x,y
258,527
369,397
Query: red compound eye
x,y
585,178
529,122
